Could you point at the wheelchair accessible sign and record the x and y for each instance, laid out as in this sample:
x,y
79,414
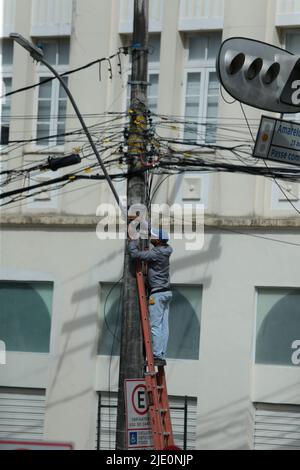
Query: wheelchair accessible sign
x,y
138,427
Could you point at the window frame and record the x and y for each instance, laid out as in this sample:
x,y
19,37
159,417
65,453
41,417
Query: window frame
x,y
203,97
205,67
42,72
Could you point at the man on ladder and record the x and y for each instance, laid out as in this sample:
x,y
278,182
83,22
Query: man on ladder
x,y
160,295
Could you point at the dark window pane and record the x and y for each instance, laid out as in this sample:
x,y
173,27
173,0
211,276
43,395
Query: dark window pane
x,y
25,316
277,327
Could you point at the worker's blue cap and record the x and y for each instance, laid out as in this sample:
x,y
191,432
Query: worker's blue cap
x,y
159,234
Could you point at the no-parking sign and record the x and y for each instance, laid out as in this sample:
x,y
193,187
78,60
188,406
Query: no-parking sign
x,y
139,434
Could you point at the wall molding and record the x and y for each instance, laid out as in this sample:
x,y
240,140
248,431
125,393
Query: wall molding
x,y
90,222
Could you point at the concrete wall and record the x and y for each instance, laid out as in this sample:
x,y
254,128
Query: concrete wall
x,y
224,379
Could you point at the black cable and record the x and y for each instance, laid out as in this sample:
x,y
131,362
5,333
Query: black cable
x,y
254,235
70,72
105,318
223,97
273,177
68,177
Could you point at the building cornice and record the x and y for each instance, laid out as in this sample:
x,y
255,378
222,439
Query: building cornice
x,y
88,222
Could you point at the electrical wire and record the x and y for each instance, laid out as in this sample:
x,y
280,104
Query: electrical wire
x,y
273,177
70,72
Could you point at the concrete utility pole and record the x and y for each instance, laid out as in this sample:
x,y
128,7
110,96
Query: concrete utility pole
x,y
131,354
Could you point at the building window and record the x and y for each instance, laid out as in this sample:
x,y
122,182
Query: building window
x,y
184,321
25,315
278,327
201,87
6,87
52,98
153,73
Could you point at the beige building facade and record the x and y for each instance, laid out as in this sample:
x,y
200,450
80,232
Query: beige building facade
x,y
234,351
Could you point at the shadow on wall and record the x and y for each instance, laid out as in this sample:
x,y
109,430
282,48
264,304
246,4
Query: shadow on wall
x,y
278,332
184,325
25,320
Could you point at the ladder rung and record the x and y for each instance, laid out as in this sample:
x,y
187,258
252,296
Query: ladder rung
x,y
151,374
160,387
163,410
166,434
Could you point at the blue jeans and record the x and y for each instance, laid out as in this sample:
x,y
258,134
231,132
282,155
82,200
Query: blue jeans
x,y
159,322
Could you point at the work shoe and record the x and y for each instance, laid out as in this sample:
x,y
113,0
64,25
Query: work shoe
x,y
159,361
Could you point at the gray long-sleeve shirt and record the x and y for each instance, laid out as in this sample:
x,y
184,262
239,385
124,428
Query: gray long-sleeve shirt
x,y
158,261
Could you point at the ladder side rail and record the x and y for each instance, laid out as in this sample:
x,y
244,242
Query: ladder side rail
x,y
164,401
144,317
151,376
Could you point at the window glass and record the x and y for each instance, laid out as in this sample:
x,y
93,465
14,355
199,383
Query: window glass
x,y
184,321
214,43
5,110
63,51
6,48
52,106
49,49
202,89
154,48
192,105
153,92
56,51
110,315
44,111
197,47
212,107
204,46
25,315
278,327
52,98
153,73
6,62
62,113
292,42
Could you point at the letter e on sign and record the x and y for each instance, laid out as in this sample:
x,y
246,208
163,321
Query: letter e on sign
x,y
139,399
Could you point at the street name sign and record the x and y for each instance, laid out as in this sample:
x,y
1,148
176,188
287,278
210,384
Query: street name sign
x,y
138,426
278,140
